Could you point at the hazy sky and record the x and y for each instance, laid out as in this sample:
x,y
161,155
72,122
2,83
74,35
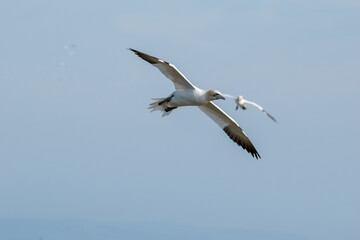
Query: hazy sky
x,y
78,142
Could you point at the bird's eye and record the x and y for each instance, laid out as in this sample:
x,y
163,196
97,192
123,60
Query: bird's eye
x,y
215,94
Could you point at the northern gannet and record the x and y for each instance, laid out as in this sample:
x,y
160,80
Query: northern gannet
x,y
186,94
240,102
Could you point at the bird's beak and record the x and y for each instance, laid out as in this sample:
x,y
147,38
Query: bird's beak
x,y
220,97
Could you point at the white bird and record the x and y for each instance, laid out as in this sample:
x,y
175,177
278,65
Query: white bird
x,y
240,102
186,94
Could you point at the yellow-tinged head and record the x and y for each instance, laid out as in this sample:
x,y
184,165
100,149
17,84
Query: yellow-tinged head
x,y
212,95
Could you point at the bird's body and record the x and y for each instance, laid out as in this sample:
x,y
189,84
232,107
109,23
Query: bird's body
x,y
240,101
188,97
186,94
182,98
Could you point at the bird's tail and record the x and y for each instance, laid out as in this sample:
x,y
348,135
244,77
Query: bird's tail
x,y
158,106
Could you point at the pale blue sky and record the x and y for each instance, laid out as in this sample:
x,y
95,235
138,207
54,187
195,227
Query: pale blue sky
x,y
78,142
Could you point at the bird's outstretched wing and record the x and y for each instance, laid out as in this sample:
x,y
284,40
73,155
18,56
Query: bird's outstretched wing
x,y
261,109
230,127
169,70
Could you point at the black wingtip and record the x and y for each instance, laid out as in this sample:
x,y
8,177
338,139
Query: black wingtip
x,y
272,118
133,50
249,148
268,114
146,57
255,155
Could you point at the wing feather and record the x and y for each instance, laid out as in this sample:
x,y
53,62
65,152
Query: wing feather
x,y
230,127
169,70
261,109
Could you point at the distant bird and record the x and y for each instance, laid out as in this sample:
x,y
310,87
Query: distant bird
x,y
240,102
186,94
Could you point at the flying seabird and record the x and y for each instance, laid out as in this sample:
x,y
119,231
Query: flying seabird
x,y
186,94
240,102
